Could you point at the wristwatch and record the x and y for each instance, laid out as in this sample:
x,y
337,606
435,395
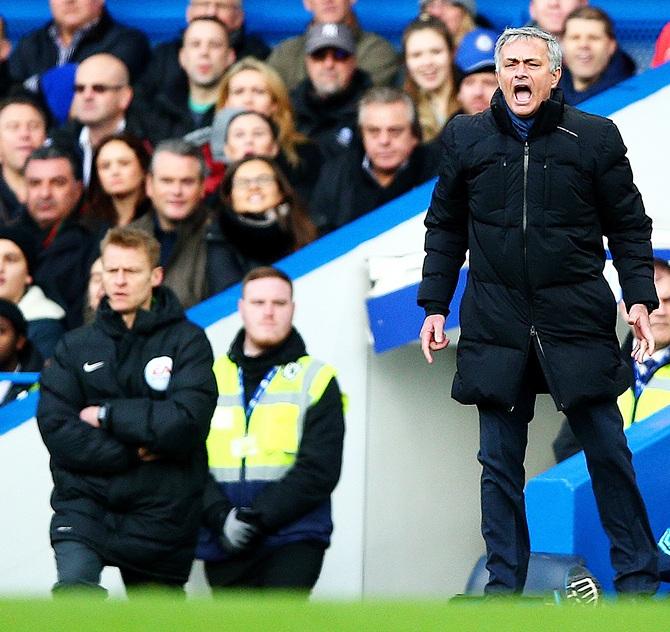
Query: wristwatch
x,y
103,410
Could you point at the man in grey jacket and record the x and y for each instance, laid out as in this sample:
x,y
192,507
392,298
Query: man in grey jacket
x,y
375,54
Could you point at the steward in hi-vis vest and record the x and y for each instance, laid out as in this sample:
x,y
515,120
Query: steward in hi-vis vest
x,y
275,449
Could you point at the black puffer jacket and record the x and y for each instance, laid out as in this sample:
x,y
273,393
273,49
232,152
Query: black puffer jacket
x,y
533,216
346,190
136,514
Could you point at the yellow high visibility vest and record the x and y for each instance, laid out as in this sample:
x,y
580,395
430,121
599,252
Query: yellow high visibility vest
x,y
654,397
269,445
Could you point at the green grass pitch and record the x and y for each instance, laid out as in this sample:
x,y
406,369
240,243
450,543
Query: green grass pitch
x,y
281,614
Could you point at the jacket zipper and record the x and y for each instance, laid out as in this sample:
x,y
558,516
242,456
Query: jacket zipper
x,y
533,332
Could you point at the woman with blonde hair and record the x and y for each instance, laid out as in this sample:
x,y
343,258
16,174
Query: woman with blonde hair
x,y
429,73
251,84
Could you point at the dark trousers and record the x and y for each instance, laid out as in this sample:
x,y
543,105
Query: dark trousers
x,y
79,567
294,566
599,428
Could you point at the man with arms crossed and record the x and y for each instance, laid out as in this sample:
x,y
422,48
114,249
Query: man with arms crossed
x,y
530,187
124,412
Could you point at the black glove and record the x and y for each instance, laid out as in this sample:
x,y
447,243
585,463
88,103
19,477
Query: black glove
x,y
237,535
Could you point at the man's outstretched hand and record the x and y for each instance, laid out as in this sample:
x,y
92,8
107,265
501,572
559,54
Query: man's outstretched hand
x,y
432,336
638,319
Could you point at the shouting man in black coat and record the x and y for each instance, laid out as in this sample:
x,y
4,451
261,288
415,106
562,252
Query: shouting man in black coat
x,y
124,412
530,187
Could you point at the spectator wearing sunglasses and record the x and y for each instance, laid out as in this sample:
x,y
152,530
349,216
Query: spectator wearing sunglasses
x,y
377,56
100,107
326,102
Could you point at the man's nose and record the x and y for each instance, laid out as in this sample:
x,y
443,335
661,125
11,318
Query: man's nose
x,y
44,190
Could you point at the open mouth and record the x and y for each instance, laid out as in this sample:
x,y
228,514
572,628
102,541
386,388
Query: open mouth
x,y
522,94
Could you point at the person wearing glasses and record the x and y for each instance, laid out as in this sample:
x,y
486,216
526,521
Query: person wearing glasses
x,y
259,220
102,97
164,66
77,30
326,102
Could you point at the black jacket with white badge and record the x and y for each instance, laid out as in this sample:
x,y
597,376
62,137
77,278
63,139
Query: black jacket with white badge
x,y
157,383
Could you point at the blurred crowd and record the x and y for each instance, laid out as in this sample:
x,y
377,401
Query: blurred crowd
x,y
231,153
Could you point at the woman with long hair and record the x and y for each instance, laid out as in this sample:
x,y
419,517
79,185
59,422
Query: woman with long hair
x,y
253,85
260,220
429,73
116,194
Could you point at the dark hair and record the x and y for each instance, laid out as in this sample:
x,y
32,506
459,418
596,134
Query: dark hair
x,y
99,207
297,222
427,22
14,315
54,152
266,272
274,129
592,13
207,18
26,99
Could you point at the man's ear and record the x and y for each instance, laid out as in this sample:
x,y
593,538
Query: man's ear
x,y
21,342
157,275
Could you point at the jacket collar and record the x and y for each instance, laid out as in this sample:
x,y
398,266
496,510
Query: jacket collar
x,y
546,120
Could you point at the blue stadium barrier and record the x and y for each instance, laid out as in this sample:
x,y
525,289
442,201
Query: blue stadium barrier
x,y
18,412
561,509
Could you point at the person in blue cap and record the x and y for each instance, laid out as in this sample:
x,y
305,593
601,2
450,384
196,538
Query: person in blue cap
x,y
477,71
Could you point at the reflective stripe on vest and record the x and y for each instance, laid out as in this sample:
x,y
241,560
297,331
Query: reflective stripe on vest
x,y
268,447
654,397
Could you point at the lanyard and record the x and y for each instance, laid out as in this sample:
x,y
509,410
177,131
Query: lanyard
x,y
258,393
